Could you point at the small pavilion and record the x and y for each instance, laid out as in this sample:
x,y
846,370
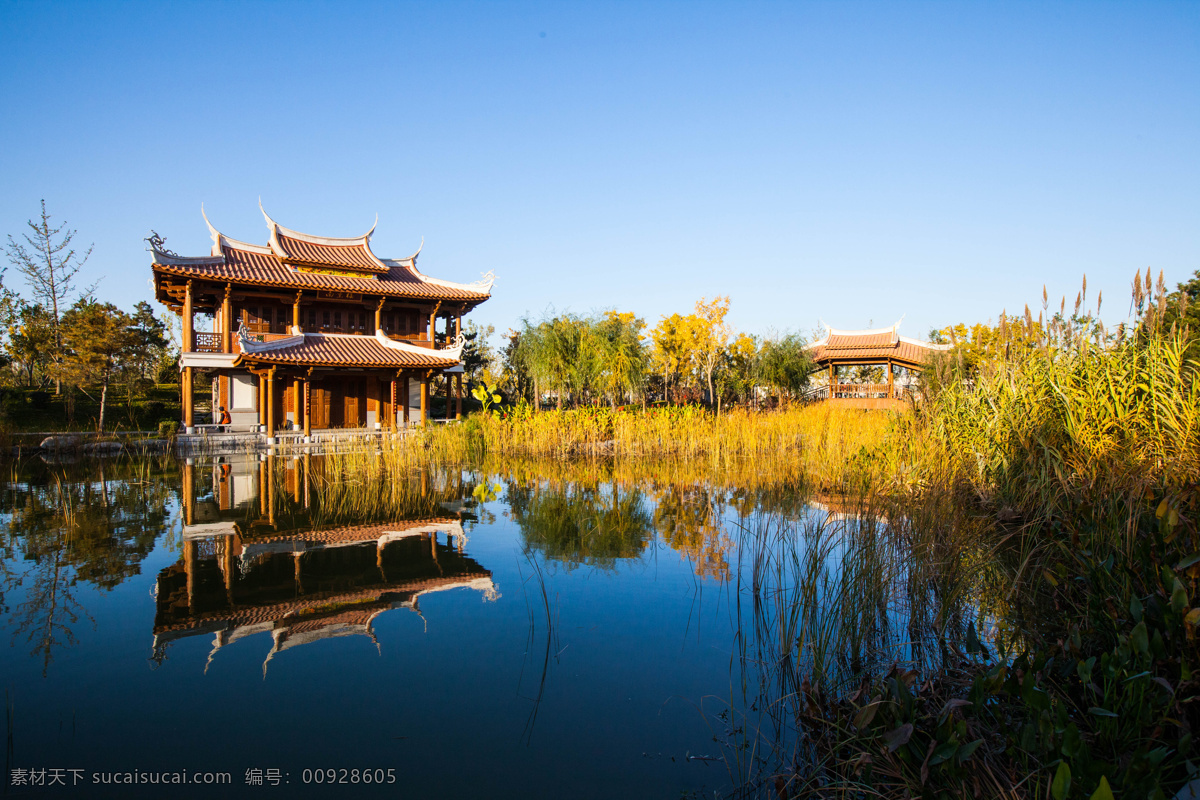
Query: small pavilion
x,y
879,347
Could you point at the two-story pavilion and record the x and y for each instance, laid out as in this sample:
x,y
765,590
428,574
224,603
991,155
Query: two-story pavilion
x,y
314,332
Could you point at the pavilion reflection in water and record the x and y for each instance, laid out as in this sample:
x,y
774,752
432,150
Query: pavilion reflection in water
x,y
242,573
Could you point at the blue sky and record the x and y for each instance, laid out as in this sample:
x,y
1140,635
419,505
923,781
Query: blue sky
x,y
848,162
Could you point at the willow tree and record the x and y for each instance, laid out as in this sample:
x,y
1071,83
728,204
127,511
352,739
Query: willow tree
x,y
785,364
624,356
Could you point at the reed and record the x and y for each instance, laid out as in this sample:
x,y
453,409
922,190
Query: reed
x,y
995,600
1030,568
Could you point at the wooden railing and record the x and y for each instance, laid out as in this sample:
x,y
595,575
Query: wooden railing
x,y
847,391
207,342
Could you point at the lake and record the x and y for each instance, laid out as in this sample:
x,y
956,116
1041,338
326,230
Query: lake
x,y
514,630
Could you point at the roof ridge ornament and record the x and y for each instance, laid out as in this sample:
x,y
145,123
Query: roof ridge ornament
x,y
454,352
253,345
159,244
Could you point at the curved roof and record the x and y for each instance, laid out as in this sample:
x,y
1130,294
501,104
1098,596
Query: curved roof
x,y
346,350
352,253
296,260
875,346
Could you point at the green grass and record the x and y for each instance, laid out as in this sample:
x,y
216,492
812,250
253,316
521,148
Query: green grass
x,y
40,410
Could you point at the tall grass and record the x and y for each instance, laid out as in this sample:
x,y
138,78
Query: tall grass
x,y
1001,604
1036,537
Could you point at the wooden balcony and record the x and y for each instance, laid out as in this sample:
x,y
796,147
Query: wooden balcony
x,y
207,342
863,395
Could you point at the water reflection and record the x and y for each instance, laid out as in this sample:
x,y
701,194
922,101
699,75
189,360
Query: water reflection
x,y
71,524
581,523
263,552
181,560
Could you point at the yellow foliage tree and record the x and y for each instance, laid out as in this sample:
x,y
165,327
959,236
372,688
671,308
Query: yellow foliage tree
x,y
710,336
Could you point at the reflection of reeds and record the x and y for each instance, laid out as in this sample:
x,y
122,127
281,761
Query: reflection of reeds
x,y
551,639
831,599
355,485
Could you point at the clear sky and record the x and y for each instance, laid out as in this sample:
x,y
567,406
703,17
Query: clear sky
x,y
845,162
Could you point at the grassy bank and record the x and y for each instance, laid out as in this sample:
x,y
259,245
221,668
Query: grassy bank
x,y
1001,606
1035,534
41,410
1034,527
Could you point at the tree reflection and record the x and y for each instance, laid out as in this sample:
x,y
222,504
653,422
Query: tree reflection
x,y
689,520
92,523
577,523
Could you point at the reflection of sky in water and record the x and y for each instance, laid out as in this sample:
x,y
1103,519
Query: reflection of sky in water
x,y
250,631
545,636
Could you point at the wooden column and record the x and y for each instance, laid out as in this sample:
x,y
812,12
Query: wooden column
x,y
296,312
392,422
404,399
262,400
189,417
189,332
227,564
262,488
297,404
307,474
270,462
831,378
458,396
189,491
307,408
457,327
379,315
227,320
271,402
433,326
189,569
424,399
891,393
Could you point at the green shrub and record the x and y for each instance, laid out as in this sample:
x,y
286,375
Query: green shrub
x,y
13,403
168,429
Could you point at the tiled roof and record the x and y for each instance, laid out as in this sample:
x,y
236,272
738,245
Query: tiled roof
x,y
875,346
320,602
354,534
863,341
264,269
354,256
347,350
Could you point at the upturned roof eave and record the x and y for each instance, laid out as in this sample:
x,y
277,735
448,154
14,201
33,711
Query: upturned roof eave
x,y
396,289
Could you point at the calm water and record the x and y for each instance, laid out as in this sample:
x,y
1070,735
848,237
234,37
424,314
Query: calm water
x,y
504,635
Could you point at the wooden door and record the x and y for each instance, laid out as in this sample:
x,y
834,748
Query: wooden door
x,y
287,403
319,410
354,406
335,396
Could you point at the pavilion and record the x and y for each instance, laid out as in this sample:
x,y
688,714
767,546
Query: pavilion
x,y
879,347
313,332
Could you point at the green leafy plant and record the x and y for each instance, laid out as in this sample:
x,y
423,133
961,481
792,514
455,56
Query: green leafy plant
x,y
486,395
